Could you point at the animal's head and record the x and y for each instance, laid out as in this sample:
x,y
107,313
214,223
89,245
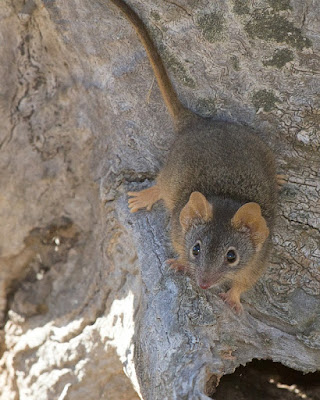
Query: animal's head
x,y
218,244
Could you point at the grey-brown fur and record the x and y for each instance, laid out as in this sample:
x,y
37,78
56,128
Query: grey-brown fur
x,y
212,159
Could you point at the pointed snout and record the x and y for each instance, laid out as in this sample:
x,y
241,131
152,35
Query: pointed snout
x,y
207,283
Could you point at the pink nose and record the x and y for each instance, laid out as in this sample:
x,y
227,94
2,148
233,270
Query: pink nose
x,y
204,285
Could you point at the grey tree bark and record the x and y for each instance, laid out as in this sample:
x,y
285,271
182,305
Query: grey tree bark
x,y
85,291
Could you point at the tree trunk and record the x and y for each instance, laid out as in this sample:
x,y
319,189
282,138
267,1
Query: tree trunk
x,y
84,286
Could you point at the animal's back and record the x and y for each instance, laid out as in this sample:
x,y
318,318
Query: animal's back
x,y
220,159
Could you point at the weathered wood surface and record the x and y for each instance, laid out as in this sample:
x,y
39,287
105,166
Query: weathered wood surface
x,y
85,289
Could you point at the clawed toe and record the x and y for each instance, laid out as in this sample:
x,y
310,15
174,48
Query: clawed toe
x,y
136,203
143,199
235,305
133,205
281,180
133,194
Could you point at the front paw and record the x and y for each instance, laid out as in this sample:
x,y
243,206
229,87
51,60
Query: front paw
x,y
232,301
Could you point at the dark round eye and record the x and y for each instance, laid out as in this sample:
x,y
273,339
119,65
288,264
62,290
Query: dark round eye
x,y
231,256
196,249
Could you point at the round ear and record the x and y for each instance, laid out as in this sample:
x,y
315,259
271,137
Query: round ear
x,y
197,208
249,216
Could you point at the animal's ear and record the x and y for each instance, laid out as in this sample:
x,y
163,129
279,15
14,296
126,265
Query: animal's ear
x,y
249,216
197,208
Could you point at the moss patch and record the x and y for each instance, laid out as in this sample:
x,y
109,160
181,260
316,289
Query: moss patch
x,y
268,26
312,116
169,60
206,107
178,69
264,99
211,26
156,36
155,15
280,5
241,7
279,58
235,63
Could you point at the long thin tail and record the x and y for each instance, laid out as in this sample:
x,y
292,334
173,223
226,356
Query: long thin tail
x,y
176,109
